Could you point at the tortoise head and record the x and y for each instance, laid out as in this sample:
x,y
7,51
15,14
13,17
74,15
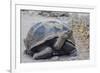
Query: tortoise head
x,y
65,34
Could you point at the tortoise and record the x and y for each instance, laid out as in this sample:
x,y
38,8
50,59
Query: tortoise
x,y
50,38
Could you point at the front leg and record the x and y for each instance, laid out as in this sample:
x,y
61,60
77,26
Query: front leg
x,y
44,54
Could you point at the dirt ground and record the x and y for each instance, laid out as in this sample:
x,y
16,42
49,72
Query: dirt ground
x,y
80,34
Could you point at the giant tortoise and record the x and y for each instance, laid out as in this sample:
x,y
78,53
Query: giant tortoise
x,y
49,38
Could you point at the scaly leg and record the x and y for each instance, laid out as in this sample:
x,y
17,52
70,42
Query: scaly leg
x,y
44,54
